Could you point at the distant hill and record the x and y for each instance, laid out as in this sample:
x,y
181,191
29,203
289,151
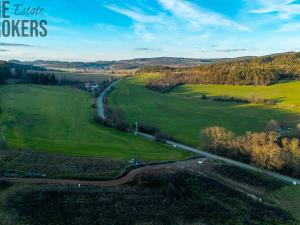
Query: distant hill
x,y
25,66
122,64
265,70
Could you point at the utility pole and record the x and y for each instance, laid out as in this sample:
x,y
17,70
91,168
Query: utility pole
x,y
93,93
3,137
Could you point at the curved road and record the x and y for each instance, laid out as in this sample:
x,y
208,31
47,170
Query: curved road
x,y
203,153
110,183
131,175
101,113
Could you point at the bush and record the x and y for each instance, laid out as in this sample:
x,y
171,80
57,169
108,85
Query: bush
x,y
230,99
160,137
258,100
148,129
122,126
204,96
272,125
216,138
265,149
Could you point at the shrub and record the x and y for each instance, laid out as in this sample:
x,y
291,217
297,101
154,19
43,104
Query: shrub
x,y
230,99
160,137
148,129
272,125
216,138
259,100
204,96
298,127
265,149
291,154
122,126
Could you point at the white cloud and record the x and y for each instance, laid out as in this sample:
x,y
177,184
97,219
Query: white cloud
x,y
182,11
136,15
143,22
58,20
284,8
198,16
289,27
141,31
107,27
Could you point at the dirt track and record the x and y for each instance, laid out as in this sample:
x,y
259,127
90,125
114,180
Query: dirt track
x,y
206,170
123,180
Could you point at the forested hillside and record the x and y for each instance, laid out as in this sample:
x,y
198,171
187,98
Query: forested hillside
x,y
4,71
264,70
21,72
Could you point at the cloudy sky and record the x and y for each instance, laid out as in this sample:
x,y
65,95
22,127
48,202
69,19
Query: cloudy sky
x,y
117,29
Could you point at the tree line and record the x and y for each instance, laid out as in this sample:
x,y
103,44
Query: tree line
x,y
23,74
265,70
4,72
268,149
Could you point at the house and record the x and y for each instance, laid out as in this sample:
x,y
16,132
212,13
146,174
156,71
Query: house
x,y
91,86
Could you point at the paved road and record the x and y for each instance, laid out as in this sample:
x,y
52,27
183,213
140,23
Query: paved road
x,y
203,153
101,97
229,161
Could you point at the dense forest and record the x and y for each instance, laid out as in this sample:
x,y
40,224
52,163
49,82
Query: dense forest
x,y
22,74
264,70
4,71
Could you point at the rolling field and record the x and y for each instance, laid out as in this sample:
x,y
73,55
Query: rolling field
x,y
183,115
288,198
285,94
60,120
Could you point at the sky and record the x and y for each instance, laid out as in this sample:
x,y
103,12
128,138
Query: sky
x,y
93,30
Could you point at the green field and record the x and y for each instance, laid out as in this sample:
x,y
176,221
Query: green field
x,y
60,120
289,198
286,94
183,115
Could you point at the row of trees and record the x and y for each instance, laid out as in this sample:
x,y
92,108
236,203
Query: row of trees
x,y
39,78
266,149
21,73
4,72
256,71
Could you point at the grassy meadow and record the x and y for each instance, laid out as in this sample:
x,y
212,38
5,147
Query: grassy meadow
x,y
288,198
285,94
182,114
60,120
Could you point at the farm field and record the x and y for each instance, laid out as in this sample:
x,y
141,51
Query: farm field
x,y
60,120
285,94
83,77
182,115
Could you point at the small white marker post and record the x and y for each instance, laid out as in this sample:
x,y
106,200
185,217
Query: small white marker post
x,y
79,186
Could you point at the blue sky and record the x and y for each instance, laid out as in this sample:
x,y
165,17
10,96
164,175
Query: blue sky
x,y
117,29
